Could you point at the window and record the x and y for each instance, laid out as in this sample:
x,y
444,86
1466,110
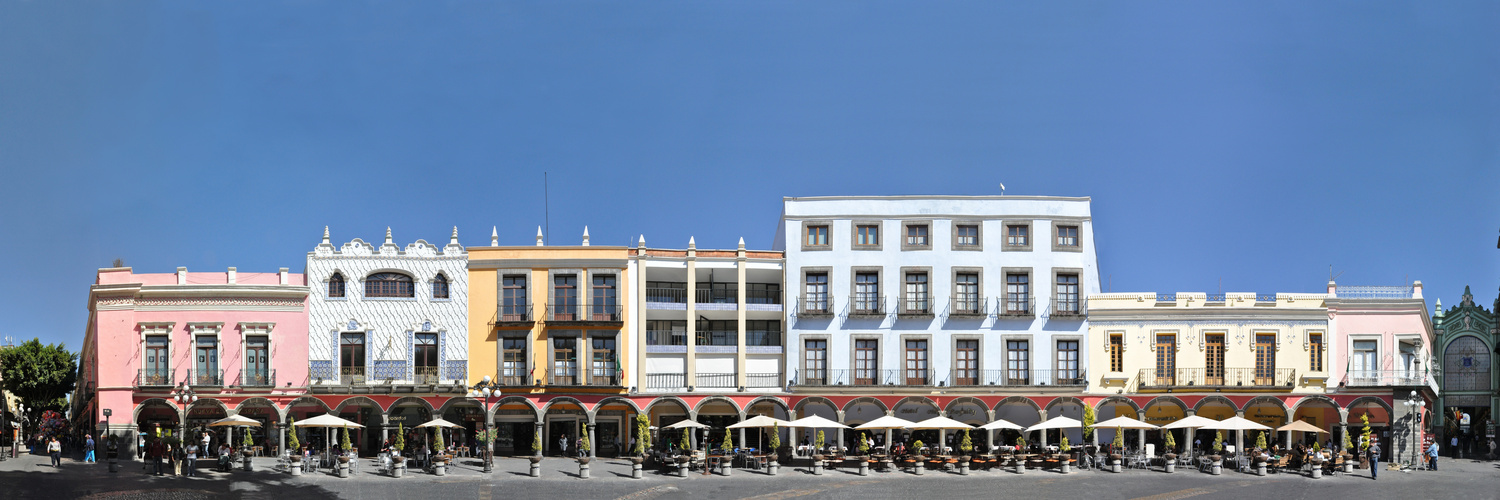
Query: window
x,y
1315,351
718,332
208,361
257,362
440,287
564,361
1362,362
1066,295
1017,235
513,362
605,298
867,236
1265,359
916,293
761,332
425,358
1213,352
604,366
815,362
513,299
1017,294
816,290
1408,360
352,358
1067,237
866,361
916,362
336,285
867,292
671,292
666,332
158,371
1166,360
966,362
1017,362
1116,352
564,297
762,293
817,236
389,285
916,235
966,293
1067,362
966,236
718,293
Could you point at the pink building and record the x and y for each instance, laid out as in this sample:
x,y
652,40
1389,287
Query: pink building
x,y
177,351
1382,350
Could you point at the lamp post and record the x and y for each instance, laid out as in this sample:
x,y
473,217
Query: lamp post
x,y
485,389
185,396
1415,408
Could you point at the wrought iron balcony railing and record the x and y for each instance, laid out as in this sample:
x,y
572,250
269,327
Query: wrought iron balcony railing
x,y
968,306
1017,306
763,338
715,380
867,304
760,296
426,375
1386,378
872,377
208,377
706,295
258,378
1227,377
606,378
514,313
155,377
666,337
669,295
817,304
564,378
763,380
1017,377
1068,307
351,375
915,305
584,313
666,381
717,337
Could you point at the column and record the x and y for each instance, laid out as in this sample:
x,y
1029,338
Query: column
x,y
1140,433
1239,436
791,432
1042,414
540,433
742,432
592,445
739,311
281,438
690,378
840,432
989,435
637,373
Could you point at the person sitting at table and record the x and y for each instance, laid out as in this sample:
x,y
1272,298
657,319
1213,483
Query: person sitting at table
x,y
900,449
224,457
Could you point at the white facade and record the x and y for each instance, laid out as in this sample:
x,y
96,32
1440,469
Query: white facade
x,y
905,329
391,325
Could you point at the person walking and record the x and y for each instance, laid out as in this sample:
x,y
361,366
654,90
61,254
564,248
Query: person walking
x,y
1432,455
1374,453
192,460
562,443
54,448
88,450
153,453
1453,442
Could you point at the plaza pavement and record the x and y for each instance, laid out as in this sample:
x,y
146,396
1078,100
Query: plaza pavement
x,y
31,476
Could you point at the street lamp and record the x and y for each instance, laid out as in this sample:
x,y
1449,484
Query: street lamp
x,y
1415,407
485,389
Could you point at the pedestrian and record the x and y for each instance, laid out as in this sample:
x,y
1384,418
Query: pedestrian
x,y
205,440
54,448
1454,443
563,443
1374,453
153,453
192,459
1432,455
88,450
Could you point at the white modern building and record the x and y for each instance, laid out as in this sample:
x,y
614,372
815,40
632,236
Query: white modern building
x,y
909,302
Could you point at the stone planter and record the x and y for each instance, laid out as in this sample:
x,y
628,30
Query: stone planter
x,y
343,468
635,467
1170,463
439,468
817,465
726,467
245,459
1348,463
921,467
583,468
295,468
864,466
398,468
1317,469
536,466
1115,462
1063,466
682,465
773,467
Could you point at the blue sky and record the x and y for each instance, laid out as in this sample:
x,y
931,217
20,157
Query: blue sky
x,y
1255,142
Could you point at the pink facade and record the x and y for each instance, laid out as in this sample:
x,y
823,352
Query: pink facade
x,y
1396,325
204,323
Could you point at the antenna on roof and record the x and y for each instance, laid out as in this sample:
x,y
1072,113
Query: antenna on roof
x,y
1002,189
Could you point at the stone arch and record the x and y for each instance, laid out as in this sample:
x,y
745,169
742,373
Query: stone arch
x,y
686,408
412,399
307,399
1018,399
355,399
617,399
965,399
1214,399
214,401
280,412
560,400
865,399
920,400
771,399
705,401
1065,400
1166,399
814,399
135,415
1116,400
451,402
1367,399
1282,404
490,413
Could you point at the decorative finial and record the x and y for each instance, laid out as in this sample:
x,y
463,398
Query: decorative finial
x,y
742,243
454,239
494,236
641,242
325,235
692,243
388,235
539,236
585,236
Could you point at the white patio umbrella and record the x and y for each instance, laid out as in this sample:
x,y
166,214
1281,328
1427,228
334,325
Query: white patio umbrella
x,y
1055,423
816,422
757,422
326,420
1240,425
232,422
1124,422
687,424
438,423
999,424
1191,423
888,423
942,425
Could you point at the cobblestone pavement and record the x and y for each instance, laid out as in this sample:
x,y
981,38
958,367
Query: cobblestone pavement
x,y
31,477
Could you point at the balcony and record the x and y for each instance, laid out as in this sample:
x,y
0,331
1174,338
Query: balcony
x,y
424,375
1068,308
866,377
213,378
564,378
513,315
667,294
666,381
715,381
763,380
763,338
1386,378
1228,377
514,378
154,377
707,295
605,378
585,315
915,306
258,378
717,337
1017,378
1017,306
351,375
666,337
761,296
866,304
815,305
968,306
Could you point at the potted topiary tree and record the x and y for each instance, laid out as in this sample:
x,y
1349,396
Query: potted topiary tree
x,y
775,464
245,453
965,447
294,448
398,461
642,443
344,448
1066,450
1218,456
1259,459
536,453
727,448
685,449
921,466
1170,454
818,454
1020,450
1115,457
1317,460
864,455
1348,454
1364,441
1088,430
584,445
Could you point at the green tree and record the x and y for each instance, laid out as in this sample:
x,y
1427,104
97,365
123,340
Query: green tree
x,y
685,443
775,437
584,445
344,441
400,443
728,444
642,434
536,442
864,448
42,376
966,445
1119,439
293,446
1364,444
437,442
1171,442
1347,445
1260,441
1062,446
1088,422
1218,442
820,439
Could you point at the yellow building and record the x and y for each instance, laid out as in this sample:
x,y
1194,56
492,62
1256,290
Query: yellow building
x,y
547,325
1162,356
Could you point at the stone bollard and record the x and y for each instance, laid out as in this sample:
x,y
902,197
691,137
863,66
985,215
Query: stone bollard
x,y
1260,470
344,469
920,468
817,467
963,467
773,468
864,468
1066,469
1317,471
725,467
398,469
583,470
1171,466
635,469
1020,466
247,463
1218,468
682,470
1114,465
